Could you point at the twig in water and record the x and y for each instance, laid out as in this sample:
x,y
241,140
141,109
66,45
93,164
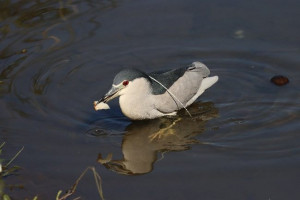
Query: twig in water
x,y
15,156
73,188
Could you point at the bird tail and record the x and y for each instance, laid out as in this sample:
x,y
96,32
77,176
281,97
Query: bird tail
x,y
208,82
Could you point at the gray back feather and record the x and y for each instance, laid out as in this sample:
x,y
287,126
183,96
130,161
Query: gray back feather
x,y
166,78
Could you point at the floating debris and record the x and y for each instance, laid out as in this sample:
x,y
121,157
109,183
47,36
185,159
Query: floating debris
x,y
280,80
239,34
24,51
101,105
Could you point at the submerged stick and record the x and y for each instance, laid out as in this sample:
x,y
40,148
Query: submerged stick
x,y
72,190
15,156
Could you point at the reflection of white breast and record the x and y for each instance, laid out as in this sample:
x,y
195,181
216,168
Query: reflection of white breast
x,y
138,155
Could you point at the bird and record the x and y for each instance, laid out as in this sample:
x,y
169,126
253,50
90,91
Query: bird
x,y
157,94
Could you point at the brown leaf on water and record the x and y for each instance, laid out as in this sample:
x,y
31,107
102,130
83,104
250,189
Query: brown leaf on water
x,y
279,80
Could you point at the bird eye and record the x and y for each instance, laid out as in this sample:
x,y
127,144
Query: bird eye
x,y
125,83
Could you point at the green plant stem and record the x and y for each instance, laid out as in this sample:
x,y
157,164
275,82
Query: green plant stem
x,y
15,156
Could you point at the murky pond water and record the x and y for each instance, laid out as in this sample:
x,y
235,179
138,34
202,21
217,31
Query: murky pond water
x,y
242,142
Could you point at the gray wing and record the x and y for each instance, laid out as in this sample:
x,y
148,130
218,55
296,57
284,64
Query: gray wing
x,y
183,83
169,77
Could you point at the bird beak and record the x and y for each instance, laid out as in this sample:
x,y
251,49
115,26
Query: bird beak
x,y
111,94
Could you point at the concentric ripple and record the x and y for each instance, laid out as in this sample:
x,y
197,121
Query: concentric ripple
x,y
254,115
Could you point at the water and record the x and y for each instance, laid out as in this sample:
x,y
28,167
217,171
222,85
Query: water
x,y
56,58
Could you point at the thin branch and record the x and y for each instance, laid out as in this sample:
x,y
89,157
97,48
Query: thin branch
x,y
17,154
73,188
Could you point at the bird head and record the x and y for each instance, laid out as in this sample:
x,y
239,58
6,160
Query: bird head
x,y
124,82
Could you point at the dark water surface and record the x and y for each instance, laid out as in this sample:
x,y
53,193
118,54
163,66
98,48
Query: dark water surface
x,y
57,57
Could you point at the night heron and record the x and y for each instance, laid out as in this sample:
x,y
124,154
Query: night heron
x,y
157,94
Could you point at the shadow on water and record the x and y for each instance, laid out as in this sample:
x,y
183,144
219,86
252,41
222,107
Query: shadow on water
x,y
144,141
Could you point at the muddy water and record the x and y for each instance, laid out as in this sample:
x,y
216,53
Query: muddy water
x,y
241,143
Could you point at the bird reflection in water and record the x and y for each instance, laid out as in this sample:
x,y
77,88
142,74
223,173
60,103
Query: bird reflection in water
x,y
144,141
